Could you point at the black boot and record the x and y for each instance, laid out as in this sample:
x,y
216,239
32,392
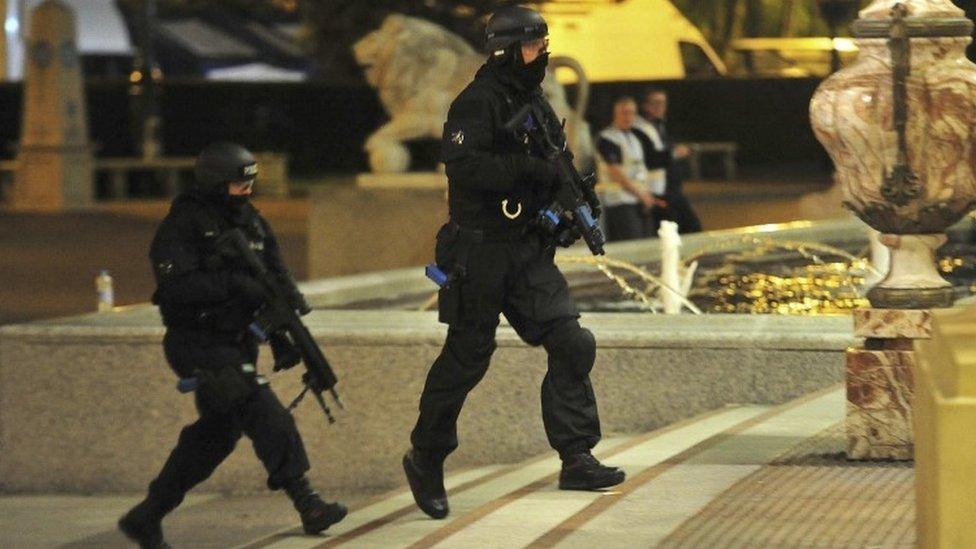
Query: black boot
x,y
583,472
316,514
143,525
426,477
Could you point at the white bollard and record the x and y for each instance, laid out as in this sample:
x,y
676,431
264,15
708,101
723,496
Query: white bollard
x,y
670,266
104,290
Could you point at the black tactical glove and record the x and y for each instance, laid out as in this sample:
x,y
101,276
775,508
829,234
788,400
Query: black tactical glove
x,y
296,299
285,353
247,288
300,304
597,210
567,237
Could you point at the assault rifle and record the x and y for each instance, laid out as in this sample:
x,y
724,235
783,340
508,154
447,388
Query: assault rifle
x,y
278,321
576,207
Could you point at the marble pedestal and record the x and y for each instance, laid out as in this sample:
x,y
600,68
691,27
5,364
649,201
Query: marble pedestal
x,y
881,382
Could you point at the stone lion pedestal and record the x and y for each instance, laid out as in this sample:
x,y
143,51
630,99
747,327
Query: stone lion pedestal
x,y
383,221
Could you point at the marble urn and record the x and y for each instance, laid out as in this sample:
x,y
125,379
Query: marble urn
x,y
899,126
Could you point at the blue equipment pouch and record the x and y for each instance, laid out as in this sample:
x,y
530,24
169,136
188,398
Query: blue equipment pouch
x,y
437,275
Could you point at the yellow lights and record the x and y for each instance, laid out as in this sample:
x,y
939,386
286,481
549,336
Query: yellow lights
x,y
807,278
821,287
845,45
828,288
949,264
290,6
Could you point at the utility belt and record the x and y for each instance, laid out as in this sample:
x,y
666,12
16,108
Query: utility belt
x,y
450,268
488,235
461,240
216,322
223,388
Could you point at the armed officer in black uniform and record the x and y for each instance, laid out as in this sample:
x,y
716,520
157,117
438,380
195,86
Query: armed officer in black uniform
x,y
207,299
500,262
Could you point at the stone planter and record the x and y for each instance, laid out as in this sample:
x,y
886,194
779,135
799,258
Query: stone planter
x,y
898,125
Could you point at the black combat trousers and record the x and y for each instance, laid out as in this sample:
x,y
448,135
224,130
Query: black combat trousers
x,y
679,210
629,222
515,277
204,444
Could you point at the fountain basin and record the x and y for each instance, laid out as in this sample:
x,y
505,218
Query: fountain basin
x,y
88,404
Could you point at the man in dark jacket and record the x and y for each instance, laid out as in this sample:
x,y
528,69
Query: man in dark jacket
x,y
670,157
500,262
207,298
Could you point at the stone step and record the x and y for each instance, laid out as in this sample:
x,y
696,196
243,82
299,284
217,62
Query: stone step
x,y
672,474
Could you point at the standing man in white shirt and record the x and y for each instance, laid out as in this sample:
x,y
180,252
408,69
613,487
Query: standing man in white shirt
x,y
631,194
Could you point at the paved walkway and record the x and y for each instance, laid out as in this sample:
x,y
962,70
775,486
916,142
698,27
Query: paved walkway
x,y
746,476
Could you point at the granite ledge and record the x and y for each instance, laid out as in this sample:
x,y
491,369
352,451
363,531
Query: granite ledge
x,y
387,328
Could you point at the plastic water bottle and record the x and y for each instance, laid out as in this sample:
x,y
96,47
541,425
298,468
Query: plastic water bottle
x,y
103,287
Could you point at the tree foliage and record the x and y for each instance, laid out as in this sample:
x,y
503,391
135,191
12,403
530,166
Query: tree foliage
x,y
722,21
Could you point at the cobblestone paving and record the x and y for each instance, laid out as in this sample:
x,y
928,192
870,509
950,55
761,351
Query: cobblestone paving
x,y
811,497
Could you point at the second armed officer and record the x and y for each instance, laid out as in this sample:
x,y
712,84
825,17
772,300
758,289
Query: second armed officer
x,y
207,298
500,262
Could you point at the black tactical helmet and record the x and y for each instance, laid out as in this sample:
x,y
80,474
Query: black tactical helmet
x,y
223,162
514,24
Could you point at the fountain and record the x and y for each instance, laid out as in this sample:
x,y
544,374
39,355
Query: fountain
x,y
652,370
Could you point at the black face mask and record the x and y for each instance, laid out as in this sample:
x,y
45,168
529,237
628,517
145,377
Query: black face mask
x,y
530,75
237,201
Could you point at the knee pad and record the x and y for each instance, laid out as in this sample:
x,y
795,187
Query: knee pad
x,y
573,345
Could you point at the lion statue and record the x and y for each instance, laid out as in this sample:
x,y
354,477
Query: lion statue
x,y
418,68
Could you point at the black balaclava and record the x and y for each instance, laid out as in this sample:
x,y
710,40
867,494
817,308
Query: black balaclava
x,y
513,68
531,75
236,205
237,201
233,207
219,194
